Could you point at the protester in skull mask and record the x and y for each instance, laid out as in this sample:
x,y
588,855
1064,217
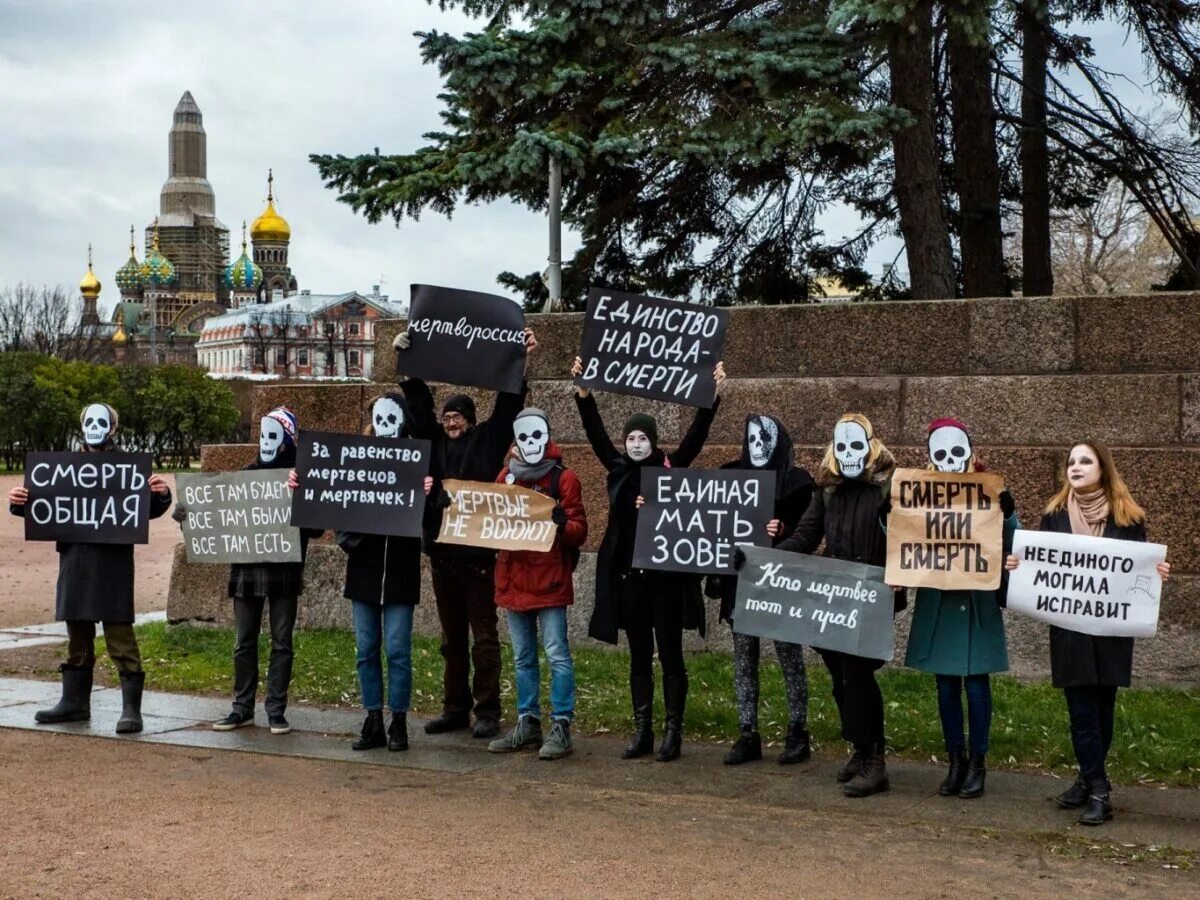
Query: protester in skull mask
x,y
95,584
535,589
853,480
649,605
464,577
959,635
766,445
1093,500
383,584
274,585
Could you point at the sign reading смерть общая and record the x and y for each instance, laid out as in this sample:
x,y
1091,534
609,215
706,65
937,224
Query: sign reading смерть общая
x,y
649,347
358,483
1094,585
238,517
88,498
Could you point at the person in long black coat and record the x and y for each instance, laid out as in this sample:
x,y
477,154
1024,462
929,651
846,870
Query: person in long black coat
x,y
95,584
650,606
766,445
383,585
1093,500
852,484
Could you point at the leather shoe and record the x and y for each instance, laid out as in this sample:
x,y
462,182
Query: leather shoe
x,y
447,721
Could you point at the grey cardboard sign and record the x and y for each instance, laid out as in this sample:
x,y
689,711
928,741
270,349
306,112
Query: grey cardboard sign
x,y
238,517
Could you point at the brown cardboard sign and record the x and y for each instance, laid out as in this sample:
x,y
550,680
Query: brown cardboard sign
x,y
945,530
497,516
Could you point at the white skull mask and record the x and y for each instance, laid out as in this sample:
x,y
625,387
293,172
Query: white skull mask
x,y
533,436
97,424
762,434
850,447
270,438
949,449
387,417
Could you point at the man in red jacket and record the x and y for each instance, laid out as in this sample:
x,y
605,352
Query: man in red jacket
x,y
535,589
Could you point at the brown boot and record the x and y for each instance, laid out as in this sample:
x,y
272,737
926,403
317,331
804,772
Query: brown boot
x,y
872,777
852,766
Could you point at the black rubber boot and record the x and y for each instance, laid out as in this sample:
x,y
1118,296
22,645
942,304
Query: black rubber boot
x,y
76,702
132,684
1075,796
972,786
641,690
1098,807
372,732
872,778
747,748
798,748
675,688
397,736
956,776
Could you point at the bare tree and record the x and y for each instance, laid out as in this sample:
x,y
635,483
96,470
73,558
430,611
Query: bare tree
x,y
14,318
259,331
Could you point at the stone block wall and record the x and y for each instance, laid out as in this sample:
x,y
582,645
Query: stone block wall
x,y
1028,375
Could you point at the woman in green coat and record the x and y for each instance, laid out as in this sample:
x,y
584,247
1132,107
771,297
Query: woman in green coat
x,y
959,635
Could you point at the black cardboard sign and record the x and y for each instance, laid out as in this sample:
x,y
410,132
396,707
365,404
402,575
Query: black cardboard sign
x,y
358,483
653,348
88,498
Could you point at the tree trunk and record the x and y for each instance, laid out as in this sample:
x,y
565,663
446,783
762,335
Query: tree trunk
x,y
976,166
1037,275
926,238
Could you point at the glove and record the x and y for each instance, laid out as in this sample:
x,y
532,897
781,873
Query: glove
x,y
441,500
558,515
402,341
739,558
1006,503
179,513
885,507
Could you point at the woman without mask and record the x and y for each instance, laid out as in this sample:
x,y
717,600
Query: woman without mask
x,y
1092,501
650,606
959,635
95,584
766,445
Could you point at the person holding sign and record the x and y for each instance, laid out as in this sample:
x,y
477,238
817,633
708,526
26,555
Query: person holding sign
x,y
767,445
649,605
535,588
959,635
95,584
383,584
463,576
853,480
1093,500
273,585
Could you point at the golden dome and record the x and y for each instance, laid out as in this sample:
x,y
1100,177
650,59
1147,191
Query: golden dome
x,y
270,226
89,285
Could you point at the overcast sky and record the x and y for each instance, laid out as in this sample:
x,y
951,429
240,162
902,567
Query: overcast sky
x,y
86,95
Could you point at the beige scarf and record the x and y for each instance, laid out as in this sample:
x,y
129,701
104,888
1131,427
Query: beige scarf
x,y
1088,512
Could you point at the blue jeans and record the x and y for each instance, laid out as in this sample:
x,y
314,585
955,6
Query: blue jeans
x,y
979,711
391,627
523,630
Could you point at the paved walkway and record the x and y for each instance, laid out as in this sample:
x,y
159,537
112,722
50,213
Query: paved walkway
x,y
1016,804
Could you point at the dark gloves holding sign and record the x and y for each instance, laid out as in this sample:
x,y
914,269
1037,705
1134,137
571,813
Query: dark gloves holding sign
x,y
1007,506
558,515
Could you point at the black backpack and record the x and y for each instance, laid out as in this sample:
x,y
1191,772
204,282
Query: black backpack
x,y
571,553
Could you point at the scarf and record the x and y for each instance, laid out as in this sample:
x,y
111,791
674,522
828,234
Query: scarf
x,y
1088,512
530,473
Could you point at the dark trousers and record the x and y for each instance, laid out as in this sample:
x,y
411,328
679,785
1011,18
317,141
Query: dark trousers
x,y
1091,709
858,698
118,638
652,615
247,616
979,711
466,602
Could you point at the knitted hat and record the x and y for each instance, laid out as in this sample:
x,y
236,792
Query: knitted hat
x,y
947,422
461,404
287,419
644,423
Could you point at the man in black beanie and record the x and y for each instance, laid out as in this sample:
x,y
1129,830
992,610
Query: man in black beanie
x,y
464,577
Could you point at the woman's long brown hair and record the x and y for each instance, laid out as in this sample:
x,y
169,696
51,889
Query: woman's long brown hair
x,y
1124,509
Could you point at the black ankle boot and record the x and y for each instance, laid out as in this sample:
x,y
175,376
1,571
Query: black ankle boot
x,y
1075,796
954,778
132,684
797,748
1098,807
675,688
747,748
76,702
872,777
397,736
641,690
972,786
372,732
